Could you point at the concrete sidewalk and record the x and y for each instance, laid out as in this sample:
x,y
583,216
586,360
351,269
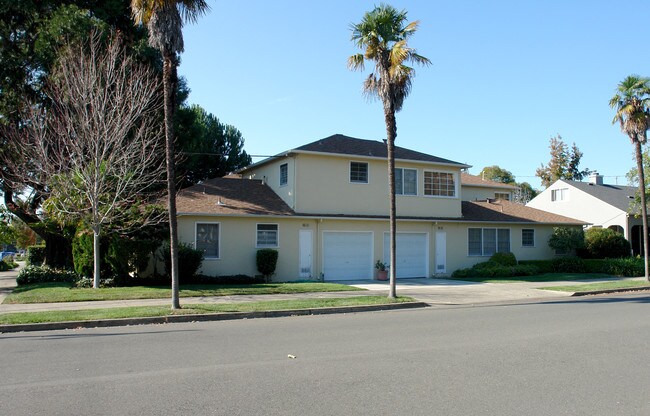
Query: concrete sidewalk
x,y
431,291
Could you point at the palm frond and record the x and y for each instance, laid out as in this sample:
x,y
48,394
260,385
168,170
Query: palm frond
x,y
356,62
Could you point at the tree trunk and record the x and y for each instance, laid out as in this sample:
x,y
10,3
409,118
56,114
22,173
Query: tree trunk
x,y
391,133
96,257
644,214
169,80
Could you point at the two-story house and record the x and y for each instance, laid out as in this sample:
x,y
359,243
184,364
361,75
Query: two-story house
x,y
324,207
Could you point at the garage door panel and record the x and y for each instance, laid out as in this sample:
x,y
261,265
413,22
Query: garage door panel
x,y
347,255
412,254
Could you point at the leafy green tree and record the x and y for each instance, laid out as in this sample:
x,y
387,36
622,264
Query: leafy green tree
x,y
564,163
7,232
567,240
164,20
497,174
209,148
632,105
524,193
602,243
383,35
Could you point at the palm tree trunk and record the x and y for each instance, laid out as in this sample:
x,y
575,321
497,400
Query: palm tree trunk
x,y
644,214
169,78
391,134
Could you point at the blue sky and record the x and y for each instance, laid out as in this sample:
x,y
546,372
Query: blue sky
x,y
506,77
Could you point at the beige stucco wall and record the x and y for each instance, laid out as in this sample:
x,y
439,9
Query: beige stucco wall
x,y
270,173
238,238
323,186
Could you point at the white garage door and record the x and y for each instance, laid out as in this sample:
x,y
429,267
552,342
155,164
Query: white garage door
x,y
347,256
412,254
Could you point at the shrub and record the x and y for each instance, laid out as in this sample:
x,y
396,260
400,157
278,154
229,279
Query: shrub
x,y
35,255
87,282
266,260
503,259
542,266
44,274
570,264
566,240
83,254
189,261
490,269
626,267
4,266
601,243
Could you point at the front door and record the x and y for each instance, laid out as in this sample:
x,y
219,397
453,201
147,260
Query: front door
x,y
441,252
306,244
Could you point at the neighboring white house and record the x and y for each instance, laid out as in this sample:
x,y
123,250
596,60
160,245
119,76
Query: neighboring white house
x,y
594,202
324,207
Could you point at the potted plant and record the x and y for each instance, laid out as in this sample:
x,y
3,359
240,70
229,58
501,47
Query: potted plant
x,y
382,270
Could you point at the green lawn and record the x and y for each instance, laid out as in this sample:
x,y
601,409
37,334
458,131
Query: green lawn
x,y
547,277
149,311
588,287
63,292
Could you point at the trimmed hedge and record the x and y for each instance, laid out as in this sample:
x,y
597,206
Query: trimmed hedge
x,y
35,255
499,265
45,274
189,261
266,260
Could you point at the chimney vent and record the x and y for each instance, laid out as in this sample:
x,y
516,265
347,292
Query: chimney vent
x,y
595,178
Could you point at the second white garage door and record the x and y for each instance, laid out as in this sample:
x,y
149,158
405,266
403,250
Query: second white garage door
x,y
412,254
347,255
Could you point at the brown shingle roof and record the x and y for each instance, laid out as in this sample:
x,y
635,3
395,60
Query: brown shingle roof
x,y
506,211
231,196
471,180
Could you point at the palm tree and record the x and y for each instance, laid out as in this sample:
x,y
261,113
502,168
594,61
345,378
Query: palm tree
x,y
383,35
632,104
164,20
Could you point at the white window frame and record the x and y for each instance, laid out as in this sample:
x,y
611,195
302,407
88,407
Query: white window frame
x,y
367,172
196,233
424,184
563,194
286,174
522,237
502,195
416,181
496,243
277,236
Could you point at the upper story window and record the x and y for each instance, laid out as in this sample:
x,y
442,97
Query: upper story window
x,y
207,239
358,172
561,194
502,195
528,237
284,174
406,181
267,235
439,184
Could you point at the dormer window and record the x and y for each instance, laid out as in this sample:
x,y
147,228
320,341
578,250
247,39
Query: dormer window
x,y
284,174
561,194
358,172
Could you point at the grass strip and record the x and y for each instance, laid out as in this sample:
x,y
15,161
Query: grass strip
x,y
589,287
547,277
64,292
150,311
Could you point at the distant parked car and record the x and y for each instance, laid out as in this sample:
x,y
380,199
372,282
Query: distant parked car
x,y
4,254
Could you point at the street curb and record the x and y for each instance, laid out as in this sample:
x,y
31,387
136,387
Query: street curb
x,y
605,291
221,316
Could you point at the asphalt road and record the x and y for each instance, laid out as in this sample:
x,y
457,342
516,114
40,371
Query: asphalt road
x,y
576,357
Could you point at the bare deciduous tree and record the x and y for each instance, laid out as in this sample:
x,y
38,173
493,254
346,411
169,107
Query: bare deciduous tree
x,y
101,142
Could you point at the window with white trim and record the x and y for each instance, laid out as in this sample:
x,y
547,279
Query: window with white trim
x,y
439,184
284,174
528,237
267,235
561,194
487,241
358,172
406,181
207,239
502,195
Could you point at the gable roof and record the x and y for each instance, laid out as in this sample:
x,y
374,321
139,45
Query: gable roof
x,y
615,195
505,211
231,196
472,180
